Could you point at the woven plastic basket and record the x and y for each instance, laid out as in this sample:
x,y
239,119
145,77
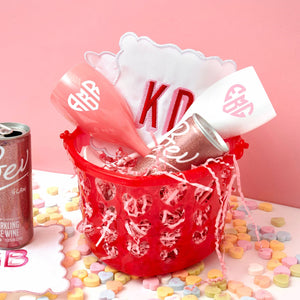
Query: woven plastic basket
x,y
152,225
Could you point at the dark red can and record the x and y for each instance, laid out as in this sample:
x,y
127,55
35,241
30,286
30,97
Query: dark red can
x,y
16,223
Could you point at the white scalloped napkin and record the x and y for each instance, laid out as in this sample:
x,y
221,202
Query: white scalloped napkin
x,y
159,82
37,267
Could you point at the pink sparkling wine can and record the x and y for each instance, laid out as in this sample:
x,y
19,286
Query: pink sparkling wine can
x,y
189,144
16,223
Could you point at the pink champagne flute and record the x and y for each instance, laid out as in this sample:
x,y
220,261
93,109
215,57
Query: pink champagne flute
x,y
87,99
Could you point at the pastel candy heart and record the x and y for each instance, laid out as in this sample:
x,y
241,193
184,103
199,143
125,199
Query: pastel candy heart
x,y
269,236
176,284
282,270
295,270
81,274
76,294
276,245
151,283
105,276
265,206
246,245
298,258
212,290
262,244
289,261
164,291
189,297
281,280
76,282
251,204
283,236
255,269
273,263
122,277
114,285
247,298
96,267
92,280
278,221
191,290
38,203
236,252
233,285
196,269
70,231
84,249
106,295
279,255
255,236
173,297
88,260
164,279
181,274
263,295
222,296
193,280
267,229
262,281
252,226
244,291
237,214
265,253
242,209
240,229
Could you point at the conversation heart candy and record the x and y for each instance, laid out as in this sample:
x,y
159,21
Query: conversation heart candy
x,y
236,252
276,245
151,283
76,294
295,270
233,285
278,221
76,282
92,280
114,285
262,281
289,261
193,280
81,274
176,284
106,295
263,295
255,269
211,290
172,297
282,270
191,290
105,276
97,267
244,291
222,296
283,236
281,280
189,297
120,276
164,291
273,263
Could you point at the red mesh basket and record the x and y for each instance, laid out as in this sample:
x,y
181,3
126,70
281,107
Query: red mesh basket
x,y
156,224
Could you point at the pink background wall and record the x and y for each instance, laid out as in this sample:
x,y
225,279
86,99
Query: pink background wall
x,y
40,40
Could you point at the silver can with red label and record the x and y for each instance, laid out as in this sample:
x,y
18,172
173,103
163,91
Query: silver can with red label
x,y
16,223
189,144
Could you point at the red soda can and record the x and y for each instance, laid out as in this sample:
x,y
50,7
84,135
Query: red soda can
x,y
189,144
16,223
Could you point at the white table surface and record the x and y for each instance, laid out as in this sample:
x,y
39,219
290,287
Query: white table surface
x,y
236,268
